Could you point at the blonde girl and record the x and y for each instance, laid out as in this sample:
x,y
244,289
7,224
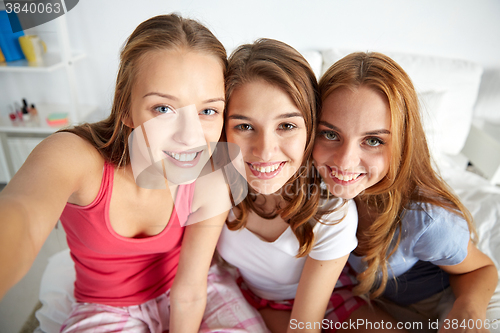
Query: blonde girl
x,y
132,273
415,236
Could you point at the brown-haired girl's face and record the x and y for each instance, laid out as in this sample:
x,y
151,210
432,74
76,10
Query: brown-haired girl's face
x,y
178,98
270,131
353,148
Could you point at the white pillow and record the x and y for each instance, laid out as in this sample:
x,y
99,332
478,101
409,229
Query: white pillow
x,y
429,102
56,292
455,81
488,100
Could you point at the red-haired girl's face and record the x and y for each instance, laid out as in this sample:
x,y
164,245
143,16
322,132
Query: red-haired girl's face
x,y
353,148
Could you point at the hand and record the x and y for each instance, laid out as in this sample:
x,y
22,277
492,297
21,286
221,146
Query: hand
x,y
464,317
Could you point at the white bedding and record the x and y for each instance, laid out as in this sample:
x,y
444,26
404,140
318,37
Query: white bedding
x,y
483,201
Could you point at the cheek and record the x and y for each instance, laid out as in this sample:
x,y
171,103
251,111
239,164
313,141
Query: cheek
x,y
298,146
237,140
319,154
212,130
379,167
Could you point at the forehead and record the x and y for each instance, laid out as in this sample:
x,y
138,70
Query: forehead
x,y
358,110
178,68
260,97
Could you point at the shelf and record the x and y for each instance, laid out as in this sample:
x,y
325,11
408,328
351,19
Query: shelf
x,y
40,126
51,62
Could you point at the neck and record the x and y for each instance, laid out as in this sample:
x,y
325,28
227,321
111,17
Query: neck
x,y
268,203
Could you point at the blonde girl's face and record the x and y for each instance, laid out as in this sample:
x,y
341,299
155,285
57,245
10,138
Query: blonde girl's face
x,y
177,106
270,131
352,150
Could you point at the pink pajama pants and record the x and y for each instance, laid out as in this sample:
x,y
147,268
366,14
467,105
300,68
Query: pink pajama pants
x,y
226,311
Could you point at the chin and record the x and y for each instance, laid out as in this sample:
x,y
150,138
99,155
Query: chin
x,y
264,187
343,192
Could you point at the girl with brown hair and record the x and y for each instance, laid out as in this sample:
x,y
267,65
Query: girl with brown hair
x,y
132,273
285,252
415,236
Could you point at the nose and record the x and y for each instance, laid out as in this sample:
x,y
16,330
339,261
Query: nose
x,y
188,130
265,146
346,156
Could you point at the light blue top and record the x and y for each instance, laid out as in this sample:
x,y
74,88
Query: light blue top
x,y
430,236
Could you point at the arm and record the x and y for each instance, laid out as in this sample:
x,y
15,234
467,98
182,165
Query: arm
x,y
188,294
32,202
473,282
315,288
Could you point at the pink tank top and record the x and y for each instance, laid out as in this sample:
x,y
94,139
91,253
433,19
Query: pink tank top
x,y
116,270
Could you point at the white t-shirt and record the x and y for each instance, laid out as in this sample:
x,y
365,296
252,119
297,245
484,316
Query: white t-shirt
x,y
271,269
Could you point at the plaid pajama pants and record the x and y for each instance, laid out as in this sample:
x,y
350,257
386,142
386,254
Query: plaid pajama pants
x,y
341,305
226,311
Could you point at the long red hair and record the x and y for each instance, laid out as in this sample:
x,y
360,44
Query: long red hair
x,y
411,176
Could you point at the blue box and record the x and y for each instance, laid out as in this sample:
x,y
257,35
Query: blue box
x,y
9,42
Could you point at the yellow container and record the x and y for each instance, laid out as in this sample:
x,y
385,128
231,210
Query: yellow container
x,y
33,47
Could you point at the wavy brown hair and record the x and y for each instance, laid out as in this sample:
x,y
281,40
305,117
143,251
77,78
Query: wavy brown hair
x,y
411,176
283,67
163,32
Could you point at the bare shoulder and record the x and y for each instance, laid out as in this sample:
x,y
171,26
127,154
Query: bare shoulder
x,y
59,168
211,197
61,161
67,144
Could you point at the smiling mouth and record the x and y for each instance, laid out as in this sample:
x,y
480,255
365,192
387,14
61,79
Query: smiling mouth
x,y
182,157
265,169
265,172
344,177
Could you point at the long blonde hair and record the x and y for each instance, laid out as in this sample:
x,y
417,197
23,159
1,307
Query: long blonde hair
x,y
163,32
282,66
410,176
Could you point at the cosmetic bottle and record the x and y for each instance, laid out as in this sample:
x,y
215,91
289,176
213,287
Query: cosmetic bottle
x,y
26,114
33,111
12,113
34,114
19,112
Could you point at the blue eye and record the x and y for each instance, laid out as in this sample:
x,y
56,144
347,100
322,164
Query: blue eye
x,y
243,127
163,109
208,112
374,142
329,135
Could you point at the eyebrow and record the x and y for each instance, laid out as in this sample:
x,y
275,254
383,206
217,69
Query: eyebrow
x,y
211,100
374,132
281,116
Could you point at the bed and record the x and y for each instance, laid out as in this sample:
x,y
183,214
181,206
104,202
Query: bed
x,y
451,93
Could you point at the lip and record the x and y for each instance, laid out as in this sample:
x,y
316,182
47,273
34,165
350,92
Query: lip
x,y
343,182
265,175
183,164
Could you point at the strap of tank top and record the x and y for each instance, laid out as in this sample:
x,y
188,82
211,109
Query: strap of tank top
x,y
183,202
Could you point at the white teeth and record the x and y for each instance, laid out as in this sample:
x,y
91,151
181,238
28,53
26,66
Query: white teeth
x,y
269,168
182,157
345,178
